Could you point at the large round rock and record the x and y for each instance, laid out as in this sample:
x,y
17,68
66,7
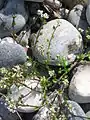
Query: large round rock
x,y
80,83
11,54
56,38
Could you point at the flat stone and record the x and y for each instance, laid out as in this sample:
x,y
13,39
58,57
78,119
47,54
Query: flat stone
x,y
13,8
63,43
11,54
32,97
79,85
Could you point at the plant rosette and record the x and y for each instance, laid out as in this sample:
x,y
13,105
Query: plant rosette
x,y
27,97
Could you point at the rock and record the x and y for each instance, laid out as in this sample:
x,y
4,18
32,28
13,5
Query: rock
x,y
44,112
1,3
5,113
11,54
78,18
60,42
72,3
13,13
79,85
54,4
76,110
7,39
35,0
32,97
88,12
23,37
85,106
88,114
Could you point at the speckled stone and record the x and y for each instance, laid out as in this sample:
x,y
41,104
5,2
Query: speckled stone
x,y
11,54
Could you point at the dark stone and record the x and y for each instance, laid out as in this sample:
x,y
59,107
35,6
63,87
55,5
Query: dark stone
x,y
11,54
5,113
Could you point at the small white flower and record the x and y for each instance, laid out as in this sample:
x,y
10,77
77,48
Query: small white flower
x,y
40,12
46,15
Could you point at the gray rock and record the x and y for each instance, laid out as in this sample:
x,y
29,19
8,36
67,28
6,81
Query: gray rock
x,y
76,110
88,12
66,40
80,84
77,17
88,114
7,39
31,98
72,3
11,54
13,8
1,3
5,113
34,7
43,114
23,37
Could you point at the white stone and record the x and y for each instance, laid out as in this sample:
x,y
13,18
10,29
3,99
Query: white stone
x,y
7,39
80,83
32,97
16,8
65,41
